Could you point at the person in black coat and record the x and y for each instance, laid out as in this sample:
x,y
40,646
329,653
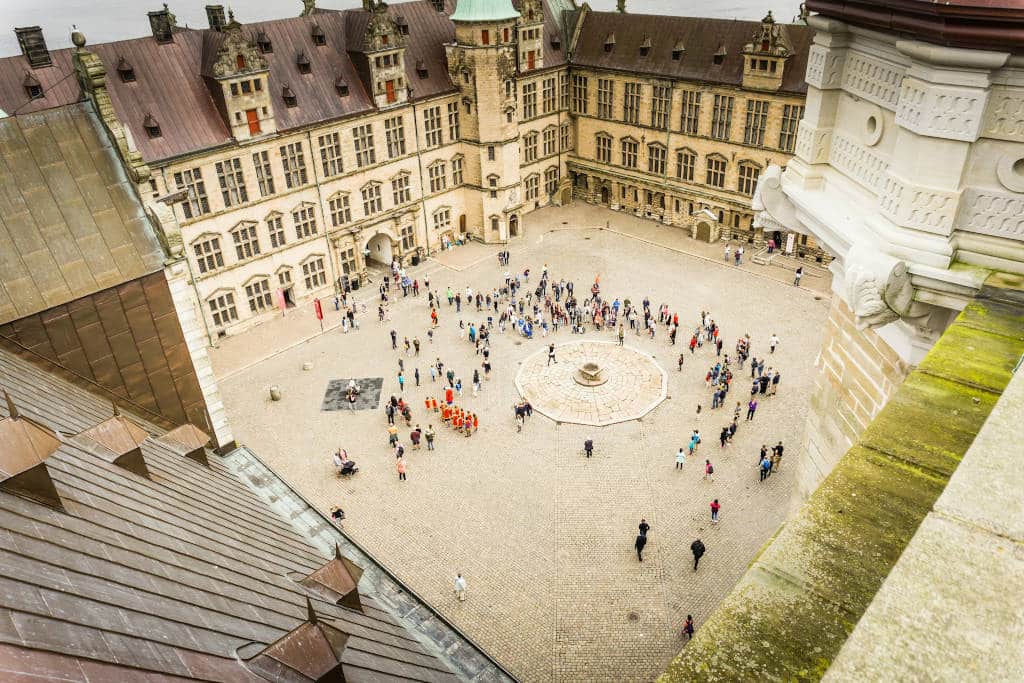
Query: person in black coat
x,y
588,447
641,541
698,550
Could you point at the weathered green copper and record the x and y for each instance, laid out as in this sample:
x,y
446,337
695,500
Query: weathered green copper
x,y
484,10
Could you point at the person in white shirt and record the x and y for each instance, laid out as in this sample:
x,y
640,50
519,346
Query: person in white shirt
x,y
460,587
773,341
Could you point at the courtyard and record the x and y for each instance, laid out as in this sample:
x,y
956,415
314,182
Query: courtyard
x,y
544,536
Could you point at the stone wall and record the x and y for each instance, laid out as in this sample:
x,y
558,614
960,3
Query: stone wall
x,y
857,374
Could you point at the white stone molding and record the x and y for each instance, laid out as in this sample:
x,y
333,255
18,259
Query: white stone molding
x,y
917,207
1010,171
874,126
857,162
941,111
873,79
813,143
825,67
1004,116
990,212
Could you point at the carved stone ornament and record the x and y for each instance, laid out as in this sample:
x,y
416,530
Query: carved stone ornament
x,y
878,287
458,61
236,43
382,24
773,209
506,67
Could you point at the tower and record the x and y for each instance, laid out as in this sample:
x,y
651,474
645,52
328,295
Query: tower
x,y
238,80
383,50
482,61
531,36
764,57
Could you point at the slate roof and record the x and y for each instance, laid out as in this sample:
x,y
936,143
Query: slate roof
x,y
70,221
161,578
701,38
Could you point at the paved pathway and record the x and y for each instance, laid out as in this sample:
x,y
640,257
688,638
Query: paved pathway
x,y
543,535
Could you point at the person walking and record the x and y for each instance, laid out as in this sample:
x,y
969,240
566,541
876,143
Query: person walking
x,y
588,447
644,527
766,468
394,340
460,588
641,541
796,277
401,382
776,456
715,507
400,466
688,627
551,354
773,341
681,457
751,408
709,471
622,335
775,383
698,550
416,374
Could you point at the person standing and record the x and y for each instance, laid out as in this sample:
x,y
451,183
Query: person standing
x,y
588,447
644,527
709,471
796,277
622,334
777,457
681,457
551,354
400,466
766,468
715,507
460,588
688,627
751,408
773,341
394,340
430,434
416,374
698,550
775,383
401,382
639,544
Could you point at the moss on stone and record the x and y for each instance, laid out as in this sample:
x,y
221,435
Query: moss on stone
x,y
974,357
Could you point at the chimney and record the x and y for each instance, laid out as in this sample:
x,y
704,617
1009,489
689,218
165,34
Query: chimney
x,y
24,448
162,26
33,46
215,15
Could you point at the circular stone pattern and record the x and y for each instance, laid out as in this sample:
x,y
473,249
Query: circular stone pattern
x,y
630,383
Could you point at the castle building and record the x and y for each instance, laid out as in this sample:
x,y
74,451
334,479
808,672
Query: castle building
x,y
288,159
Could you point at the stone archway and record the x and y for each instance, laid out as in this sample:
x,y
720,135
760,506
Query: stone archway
x,y
379,249
704,231
606,195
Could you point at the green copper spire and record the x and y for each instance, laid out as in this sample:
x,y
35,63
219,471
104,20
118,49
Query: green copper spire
x,y
484,10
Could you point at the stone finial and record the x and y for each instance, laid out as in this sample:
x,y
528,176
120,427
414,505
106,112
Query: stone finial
x,y
620,5
308,7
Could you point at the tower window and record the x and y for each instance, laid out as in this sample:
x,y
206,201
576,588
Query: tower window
x,y
485,37
264,44
240,62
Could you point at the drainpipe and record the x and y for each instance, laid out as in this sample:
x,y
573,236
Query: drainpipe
x,y
419,165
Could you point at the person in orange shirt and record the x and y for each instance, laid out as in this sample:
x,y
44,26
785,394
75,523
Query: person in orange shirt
x,y
400,466
426,402
476,423
449,396
457,422
433,404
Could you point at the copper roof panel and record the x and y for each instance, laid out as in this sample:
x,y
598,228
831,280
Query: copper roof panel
x,y
59,84
118,434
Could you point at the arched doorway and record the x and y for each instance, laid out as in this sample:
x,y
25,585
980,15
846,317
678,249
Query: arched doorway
x,y
566,196
378,249
704,231
513,226
606,195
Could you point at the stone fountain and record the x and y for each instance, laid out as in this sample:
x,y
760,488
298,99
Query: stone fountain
x,y
589,374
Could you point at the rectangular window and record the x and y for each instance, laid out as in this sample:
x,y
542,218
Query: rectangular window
x,y
629,151
314,274
436,173
563,90
196,203
605,98
347,259
443,220
757,121
721,117
340,211
258,294
716,172
529,100
549,95
284,278
453,121
253,119
362,139
747,179
456,171
330,154
530,147
660,100
208,256
232,182
276,230
532,187
791,115
690,118
549,141
432,126
222,309
408,238
551,180
579,94
685,161
490,152
565,136
485,37
305,222
371,199
247,244
293,162
656,155
264,175
400,190
604,149
394,134
631,104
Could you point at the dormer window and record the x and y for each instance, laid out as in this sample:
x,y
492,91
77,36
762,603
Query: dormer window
x,y
263,43
290,100
240,62
384,39
719,55
556,41
677,51
341,87
319,39
152,126
421,68
645,46
403,25
302,61
125,70
609,42
33,88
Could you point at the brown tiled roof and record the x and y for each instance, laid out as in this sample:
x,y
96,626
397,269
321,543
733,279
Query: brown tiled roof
x,y
71,223
169,575
58,81
701,38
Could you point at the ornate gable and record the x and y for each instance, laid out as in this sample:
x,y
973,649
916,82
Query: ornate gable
x,y
382,32
237,54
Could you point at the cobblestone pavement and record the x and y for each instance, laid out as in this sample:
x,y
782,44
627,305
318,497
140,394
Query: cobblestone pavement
x,y
544,536
631,385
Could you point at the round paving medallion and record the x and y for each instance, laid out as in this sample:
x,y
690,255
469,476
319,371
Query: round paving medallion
x,y
593,383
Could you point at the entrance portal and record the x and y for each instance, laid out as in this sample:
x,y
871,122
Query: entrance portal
x,y
606,195
289,298
566,196
513,226
704,231
379,248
